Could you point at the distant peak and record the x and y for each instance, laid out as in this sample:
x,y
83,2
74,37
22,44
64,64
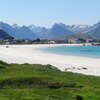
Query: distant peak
x,y
16,26
1,22
32,26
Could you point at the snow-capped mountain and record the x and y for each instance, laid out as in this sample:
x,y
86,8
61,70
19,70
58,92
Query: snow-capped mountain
x,y
40,32
57,30
22,32
78,28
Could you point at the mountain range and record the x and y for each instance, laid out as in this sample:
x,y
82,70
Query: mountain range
x,y
58,30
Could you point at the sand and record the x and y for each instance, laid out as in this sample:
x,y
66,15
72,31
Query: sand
x,y
29,54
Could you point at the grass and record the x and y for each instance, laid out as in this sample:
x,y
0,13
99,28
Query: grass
x,y
45,82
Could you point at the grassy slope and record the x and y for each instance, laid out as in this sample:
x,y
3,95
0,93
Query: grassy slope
x,y
44,82
74,36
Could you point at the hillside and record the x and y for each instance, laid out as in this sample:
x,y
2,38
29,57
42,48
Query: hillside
x,y
75,36
40,32
95,33
45,82
80,36
3,34
58,30
78,28
18,32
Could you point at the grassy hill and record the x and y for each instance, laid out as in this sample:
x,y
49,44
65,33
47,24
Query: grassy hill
x,y
45,82
95,33
74,36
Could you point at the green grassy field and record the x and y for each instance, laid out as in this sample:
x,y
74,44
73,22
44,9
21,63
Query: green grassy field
x,y
45,82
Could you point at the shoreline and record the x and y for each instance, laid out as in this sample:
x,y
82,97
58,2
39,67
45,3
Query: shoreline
x,y
30,54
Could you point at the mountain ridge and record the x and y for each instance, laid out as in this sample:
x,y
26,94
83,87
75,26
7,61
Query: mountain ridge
x,y
57,30
3,34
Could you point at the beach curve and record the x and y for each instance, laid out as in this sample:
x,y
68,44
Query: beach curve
x,y
30,54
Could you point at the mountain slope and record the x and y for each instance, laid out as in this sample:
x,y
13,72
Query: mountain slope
x,y
18,32
24,33
95,31
75,36
3,34
79,35
79,28
40,32
58,30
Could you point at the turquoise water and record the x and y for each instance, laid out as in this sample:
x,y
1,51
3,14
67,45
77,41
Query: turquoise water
x,y
84,51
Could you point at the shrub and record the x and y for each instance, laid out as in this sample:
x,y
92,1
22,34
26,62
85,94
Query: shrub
x,y
54,85
78,97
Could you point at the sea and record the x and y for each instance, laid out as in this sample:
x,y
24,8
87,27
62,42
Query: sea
x,y
81,51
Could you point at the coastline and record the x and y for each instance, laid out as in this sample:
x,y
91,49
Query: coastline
x,y
30,54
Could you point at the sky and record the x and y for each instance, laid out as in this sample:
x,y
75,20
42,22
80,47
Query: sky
x,y
47,12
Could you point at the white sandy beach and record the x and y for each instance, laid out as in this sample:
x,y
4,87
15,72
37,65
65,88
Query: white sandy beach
x,y
30,54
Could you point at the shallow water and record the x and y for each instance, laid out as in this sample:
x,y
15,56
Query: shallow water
x,y
83,51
